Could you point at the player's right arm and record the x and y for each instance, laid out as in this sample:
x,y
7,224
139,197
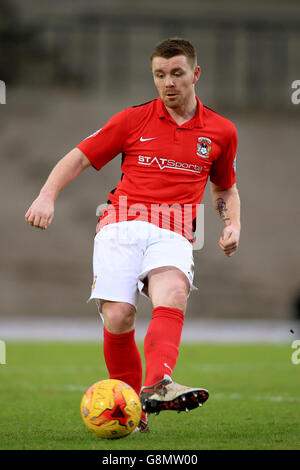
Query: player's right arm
x,y
41,212
96,150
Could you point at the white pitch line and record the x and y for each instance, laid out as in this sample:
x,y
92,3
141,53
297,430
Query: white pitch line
x,y
217,395
239,396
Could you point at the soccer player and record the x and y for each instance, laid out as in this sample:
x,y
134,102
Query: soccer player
x,y
144,239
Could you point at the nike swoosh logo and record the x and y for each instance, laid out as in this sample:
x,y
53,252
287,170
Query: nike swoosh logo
x,y
144,140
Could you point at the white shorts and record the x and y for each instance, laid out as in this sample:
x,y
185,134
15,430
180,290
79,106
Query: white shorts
x,y
124,254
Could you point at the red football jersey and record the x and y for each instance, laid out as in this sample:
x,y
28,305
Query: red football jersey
x,y
165,166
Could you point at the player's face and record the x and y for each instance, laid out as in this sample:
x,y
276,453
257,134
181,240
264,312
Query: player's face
x,y
174,79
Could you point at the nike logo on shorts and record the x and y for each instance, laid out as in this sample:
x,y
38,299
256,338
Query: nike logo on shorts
x,y
144,140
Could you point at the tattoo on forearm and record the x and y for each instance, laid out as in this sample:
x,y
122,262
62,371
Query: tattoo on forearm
x,y
221,208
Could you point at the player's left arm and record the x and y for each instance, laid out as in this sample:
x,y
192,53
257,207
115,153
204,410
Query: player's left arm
x,y
227,205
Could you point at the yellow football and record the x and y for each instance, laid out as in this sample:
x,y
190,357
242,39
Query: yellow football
x,y
111,409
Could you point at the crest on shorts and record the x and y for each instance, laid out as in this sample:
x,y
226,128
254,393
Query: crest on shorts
x,y
94,282
203,147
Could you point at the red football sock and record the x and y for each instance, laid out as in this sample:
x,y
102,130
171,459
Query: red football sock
x,y
161,344
123,359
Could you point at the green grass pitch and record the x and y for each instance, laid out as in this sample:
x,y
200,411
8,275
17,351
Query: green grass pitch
x,y
254,399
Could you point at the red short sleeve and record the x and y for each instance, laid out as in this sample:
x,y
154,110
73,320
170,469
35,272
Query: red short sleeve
x,y
223,172
107,142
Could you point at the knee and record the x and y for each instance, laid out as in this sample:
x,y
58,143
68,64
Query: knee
x,y
168,287
119,317
177,297
174,297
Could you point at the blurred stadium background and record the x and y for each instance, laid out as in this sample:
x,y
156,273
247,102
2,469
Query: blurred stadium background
x,y
70,65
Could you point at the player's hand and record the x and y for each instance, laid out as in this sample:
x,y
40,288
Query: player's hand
x,y
229,241
41,212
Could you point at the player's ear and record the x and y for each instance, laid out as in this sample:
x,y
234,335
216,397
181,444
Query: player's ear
x,y
197,72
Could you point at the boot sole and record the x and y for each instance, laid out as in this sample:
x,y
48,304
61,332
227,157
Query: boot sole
x,y
185,402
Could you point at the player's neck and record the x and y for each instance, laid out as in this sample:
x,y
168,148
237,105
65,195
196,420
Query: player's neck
x,y
184,113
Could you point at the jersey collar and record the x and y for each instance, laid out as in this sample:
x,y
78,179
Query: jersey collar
x,y
196,121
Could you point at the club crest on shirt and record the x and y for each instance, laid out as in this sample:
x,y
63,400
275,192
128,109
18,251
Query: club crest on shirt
x,y
203,147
